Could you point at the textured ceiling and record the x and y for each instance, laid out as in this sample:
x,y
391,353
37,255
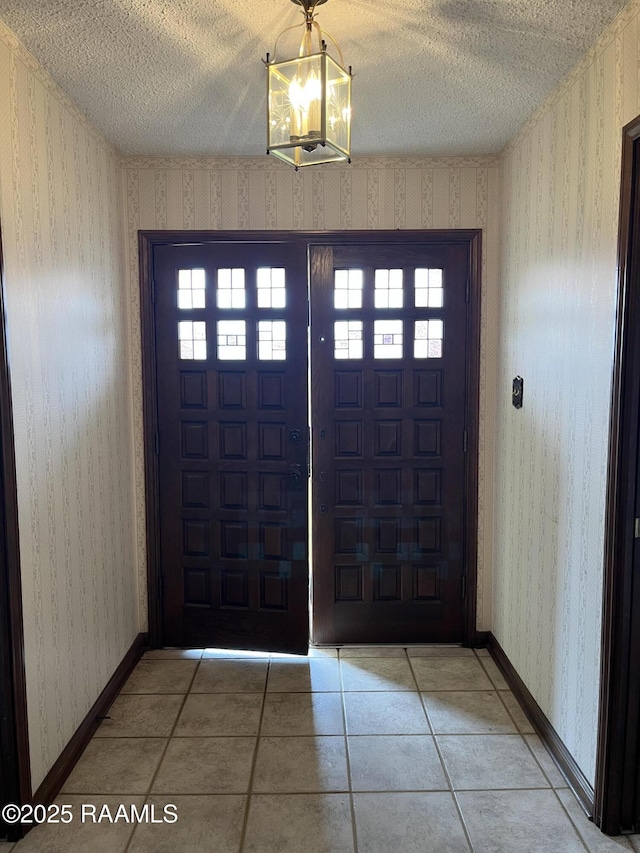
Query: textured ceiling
x,y
186,77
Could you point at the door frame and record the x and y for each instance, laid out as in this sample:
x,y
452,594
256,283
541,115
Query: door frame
x,y
617,784
148,240
15,775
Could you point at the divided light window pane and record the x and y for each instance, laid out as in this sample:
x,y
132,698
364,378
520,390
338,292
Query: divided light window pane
x,y
429,335
388,288
429,290
231,291
347,292
272,336
348,339
271,287
191,289
232,340
192,340
387,339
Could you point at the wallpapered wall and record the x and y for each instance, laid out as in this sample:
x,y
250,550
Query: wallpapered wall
x,y
560,215
374,193
67,311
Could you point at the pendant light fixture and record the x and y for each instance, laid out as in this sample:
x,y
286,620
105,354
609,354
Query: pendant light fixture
x,y
309,99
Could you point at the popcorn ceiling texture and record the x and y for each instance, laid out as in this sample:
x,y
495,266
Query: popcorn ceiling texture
x,y
185,77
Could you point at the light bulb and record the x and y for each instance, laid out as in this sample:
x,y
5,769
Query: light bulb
x,y
302,95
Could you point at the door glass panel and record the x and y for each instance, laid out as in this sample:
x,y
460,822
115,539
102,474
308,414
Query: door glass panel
x,y
191,289
388,289
231,292
192,337
271,287
272,340
348,339
347,289
387,339
429,292
232,340
428,339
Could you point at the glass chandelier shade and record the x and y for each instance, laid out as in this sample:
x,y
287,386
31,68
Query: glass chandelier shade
x,y
309,102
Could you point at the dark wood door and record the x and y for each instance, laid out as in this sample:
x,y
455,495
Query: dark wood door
x,y
231,355
388,357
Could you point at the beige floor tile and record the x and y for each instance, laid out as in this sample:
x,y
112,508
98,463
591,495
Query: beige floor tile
x,y
483,762
372,674
395,763
634,840
220,714
294,714
520,718
319,652
204,825
546,761
300,765
482,653
467,712
116,766
596,841
322,652
173,654
304,676
81,836
497,678
302,823
135,715
385,714
408,823
439,652
518,822
161,676
234,654
372,652
230,676
7,846
450,674
217,765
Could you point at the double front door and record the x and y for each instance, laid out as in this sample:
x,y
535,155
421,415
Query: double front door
x,y
311,406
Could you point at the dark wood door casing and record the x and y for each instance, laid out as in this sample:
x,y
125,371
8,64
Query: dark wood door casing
x,y
617,788
470,239
15,769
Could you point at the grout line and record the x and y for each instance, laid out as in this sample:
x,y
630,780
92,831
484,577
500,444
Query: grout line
x,y
539,763
254,761
482,661
571,820
352,807
442,764
164,752
448,778
512,716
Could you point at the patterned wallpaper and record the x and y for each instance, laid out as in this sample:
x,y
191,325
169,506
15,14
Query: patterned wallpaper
x,y
372,193
557,306
61,213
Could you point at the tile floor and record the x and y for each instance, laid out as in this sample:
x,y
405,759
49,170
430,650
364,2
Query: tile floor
x,y
351,750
